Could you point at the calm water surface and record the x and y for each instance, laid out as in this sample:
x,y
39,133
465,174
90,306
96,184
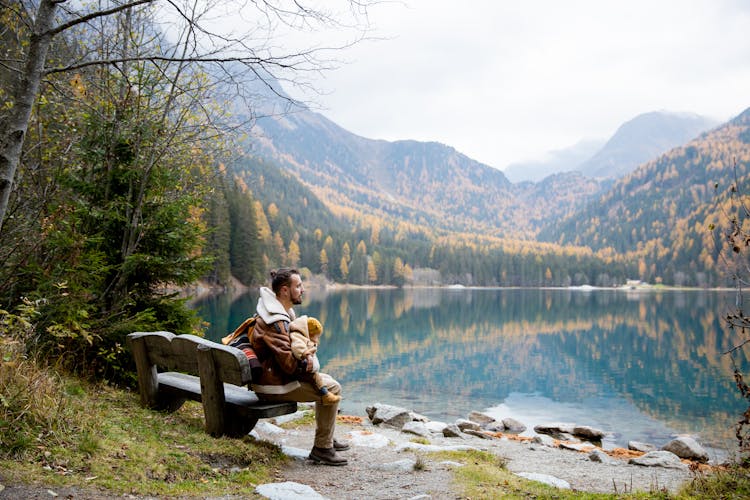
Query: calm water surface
x,y
645,366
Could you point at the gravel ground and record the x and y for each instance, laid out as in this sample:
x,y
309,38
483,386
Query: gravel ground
x,y
383,471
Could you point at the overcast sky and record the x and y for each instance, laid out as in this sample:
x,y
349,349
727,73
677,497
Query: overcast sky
x,y
505,81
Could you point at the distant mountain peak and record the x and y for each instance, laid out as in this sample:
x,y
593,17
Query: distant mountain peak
x,y
636,141
554,162
644,138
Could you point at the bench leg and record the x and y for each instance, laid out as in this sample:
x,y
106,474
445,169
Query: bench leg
x,y
250,423
237,426
170,403
212,392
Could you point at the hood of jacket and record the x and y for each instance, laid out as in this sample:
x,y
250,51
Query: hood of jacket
x,y
270,309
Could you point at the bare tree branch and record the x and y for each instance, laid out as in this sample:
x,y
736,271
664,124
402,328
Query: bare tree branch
x,y
95,15
278,62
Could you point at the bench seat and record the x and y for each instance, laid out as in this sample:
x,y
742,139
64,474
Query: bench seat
x,y
213,374
246,401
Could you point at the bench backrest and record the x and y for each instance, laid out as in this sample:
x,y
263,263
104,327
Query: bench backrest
x,y
179,353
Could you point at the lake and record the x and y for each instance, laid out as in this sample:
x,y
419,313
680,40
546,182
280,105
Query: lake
x,y
644,365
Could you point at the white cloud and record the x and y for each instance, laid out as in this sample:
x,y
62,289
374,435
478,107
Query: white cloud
x,y
504,81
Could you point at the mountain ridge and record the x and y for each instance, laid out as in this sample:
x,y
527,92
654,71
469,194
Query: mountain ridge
x,y
555,162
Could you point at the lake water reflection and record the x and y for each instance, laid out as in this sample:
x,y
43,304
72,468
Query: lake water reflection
x,y
644,365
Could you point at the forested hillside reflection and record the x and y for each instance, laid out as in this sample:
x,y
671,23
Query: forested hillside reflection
x,y
445,352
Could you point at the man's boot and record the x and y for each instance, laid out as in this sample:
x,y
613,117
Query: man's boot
x,y
340,445
327,456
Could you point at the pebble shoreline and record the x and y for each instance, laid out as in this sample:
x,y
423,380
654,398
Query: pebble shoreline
x,y
385,447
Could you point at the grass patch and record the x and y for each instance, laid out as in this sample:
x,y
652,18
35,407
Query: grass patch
x,y
483,475
730,483
83,435
420,463
420,440
307,419
32,407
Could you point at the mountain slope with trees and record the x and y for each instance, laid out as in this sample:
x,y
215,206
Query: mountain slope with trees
x,y
663,213
423,183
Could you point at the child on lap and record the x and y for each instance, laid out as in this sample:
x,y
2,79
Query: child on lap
x,y
305,334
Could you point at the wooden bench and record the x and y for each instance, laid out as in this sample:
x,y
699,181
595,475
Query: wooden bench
x,y
200,370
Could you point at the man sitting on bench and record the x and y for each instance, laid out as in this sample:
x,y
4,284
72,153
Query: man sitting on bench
x,y
279,380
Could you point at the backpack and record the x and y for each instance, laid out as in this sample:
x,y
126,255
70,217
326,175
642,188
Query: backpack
x,y
240,339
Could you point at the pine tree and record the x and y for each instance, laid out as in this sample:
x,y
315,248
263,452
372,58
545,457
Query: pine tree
x,y
245,248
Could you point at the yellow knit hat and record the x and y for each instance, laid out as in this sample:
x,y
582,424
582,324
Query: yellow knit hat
x,y
314,328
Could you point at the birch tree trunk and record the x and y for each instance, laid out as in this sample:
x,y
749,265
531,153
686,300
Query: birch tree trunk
x,y
23,95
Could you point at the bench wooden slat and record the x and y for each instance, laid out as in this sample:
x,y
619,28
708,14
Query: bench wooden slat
x,y
264,409
160,352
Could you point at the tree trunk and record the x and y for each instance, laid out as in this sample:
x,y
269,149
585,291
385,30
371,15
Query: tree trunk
x,y
23,96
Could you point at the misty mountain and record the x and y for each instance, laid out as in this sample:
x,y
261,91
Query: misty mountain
x,y
555,162
638,140
642,139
